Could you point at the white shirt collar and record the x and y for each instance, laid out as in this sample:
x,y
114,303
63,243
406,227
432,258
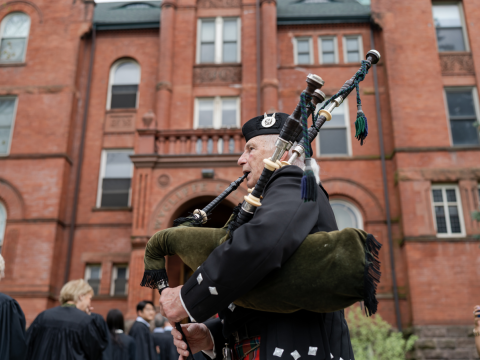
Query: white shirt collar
x,y
143,321
119,331
158,330
168,328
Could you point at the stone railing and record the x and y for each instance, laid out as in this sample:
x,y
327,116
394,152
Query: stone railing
x,y
199,142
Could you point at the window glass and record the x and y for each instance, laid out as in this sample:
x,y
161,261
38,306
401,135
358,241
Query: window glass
x,y
229,112
93,275
7,112
119,280
231,145
303,51
333,135
125,86
353,50
230,40
207,45
126,74
116,181
217,113
205,113
198,146
3,224
14,32
328,51
448,25
462,114
446,209
346,215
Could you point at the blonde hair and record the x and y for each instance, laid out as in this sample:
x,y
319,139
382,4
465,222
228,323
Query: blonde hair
x,y
2,267
73,290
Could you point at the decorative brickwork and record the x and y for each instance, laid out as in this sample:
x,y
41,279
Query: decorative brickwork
x,y
457,64
215,75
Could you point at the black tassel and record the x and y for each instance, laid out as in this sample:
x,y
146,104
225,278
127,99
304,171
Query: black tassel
x,y
372,274
152,278
309,183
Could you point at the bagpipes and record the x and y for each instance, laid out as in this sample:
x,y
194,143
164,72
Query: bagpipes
x,y
329,271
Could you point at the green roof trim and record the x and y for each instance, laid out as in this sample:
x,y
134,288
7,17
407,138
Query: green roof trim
x,y
146,14
290,12
125,15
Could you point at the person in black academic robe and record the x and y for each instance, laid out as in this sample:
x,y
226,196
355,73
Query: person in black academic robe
x,y
65,332
13,345
163,338
259,247
122,346
107,353
140,331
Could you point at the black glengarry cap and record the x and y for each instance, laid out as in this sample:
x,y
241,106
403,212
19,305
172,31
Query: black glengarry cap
x,y
267,124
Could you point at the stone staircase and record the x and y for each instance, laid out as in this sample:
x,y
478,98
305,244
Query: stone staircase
x,y
444,343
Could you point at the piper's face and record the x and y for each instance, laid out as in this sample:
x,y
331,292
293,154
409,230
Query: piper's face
x,y
252,159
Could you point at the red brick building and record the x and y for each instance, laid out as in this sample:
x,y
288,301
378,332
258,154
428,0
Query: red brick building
x,y
117,118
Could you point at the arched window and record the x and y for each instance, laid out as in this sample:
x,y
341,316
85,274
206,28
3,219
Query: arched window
x,y
124,80
14,35
3,223
346,215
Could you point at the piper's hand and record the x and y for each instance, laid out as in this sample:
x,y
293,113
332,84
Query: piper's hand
x,y
198,337
170,305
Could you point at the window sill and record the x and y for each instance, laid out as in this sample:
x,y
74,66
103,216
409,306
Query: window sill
x,y
123,110
219,64
109,297
13,64
105,208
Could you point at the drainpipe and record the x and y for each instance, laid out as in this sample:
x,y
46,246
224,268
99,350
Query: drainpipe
x,y
257,26
71,232
385,189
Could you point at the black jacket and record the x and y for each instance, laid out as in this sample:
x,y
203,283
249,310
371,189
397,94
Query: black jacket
x,y
164,340
143,341
259,247
13,345
66,333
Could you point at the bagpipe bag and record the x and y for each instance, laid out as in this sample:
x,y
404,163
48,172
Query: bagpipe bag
x,y
328,272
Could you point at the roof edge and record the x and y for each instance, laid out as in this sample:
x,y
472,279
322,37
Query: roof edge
x,y
123,26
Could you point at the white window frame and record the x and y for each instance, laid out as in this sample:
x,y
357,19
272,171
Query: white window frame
x,y
13,123
354,209
462,20
103,164
218,58
295,49
444,187
335,48
2,26
476,106
217,112
114,277
111,76
347,129
360,48
3,226
88,274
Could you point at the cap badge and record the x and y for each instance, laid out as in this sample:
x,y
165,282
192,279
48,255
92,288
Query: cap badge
x,y
268,121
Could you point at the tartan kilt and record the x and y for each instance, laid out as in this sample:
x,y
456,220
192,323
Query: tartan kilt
x,y
248,349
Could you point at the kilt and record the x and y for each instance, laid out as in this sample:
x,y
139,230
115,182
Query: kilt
x,y
248,349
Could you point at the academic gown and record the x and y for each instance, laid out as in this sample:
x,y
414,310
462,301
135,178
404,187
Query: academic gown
x,y
13,344
107,353
143,341
164,340
66,333
123,348
259,247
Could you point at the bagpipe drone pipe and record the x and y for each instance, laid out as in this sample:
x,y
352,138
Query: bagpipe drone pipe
x,y
329,271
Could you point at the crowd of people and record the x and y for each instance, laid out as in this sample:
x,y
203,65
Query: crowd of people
x,y
73,331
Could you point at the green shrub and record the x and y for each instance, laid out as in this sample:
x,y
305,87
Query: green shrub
x,y
374,339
